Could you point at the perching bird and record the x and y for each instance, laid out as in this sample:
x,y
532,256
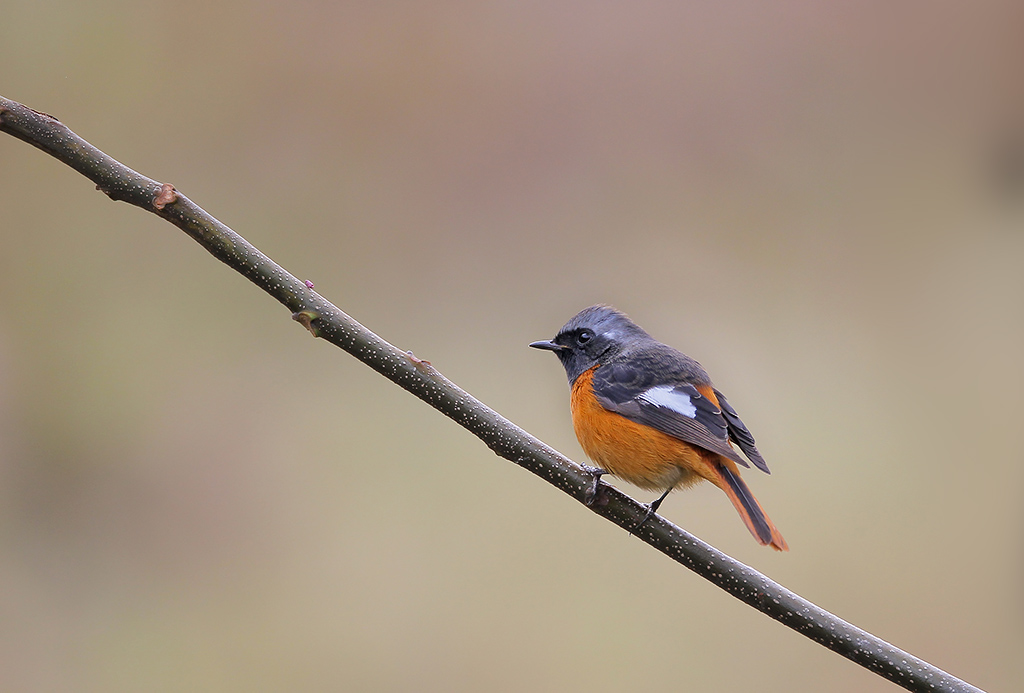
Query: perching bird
x,y
649,414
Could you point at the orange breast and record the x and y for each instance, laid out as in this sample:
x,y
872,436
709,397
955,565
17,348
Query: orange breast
x,y
641,455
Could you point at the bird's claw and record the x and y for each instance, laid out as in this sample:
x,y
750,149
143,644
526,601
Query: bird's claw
x,y
651,510
591,493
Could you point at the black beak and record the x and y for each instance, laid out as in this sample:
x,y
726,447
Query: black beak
x,y
548,346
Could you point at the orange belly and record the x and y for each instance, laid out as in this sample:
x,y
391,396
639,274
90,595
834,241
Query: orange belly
x,y
641,455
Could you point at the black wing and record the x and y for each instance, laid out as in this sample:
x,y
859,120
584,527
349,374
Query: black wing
x,y
740,435
676,409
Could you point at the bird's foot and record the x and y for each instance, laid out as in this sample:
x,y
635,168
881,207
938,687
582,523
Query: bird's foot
x,y
652,509
591,493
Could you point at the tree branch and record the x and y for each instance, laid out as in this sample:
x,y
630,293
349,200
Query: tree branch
x,y
326,321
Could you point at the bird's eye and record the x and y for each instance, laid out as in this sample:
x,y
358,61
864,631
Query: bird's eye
x,y
584,337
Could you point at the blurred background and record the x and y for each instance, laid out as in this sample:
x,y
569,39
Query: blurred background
x,y
821,202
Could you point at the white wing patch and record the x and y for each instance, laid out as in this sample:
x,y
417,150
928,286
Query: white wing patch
x,y
670,398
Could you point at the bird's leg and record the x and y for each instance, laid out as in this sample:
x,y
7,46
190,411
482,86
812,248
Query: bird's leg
x,y
651,509
591,493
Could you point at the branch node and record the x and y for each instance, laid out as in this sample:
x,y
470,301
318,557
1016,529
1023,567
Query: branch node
x,y
306,318
420,363
309,284
167,196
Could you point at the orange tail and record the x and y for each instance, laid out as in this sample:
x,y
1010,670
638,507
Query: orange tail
x,y
750,510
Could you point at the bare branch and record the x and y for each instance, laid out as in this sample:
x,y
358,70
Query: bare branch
x,y
326,321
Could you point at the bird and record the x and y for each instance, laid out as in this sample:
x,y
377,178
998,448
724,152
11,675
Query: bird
x,y
650,415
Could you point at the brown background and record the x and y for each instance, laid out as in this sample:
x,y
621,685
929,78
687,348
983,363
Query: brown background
x,y
196,495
